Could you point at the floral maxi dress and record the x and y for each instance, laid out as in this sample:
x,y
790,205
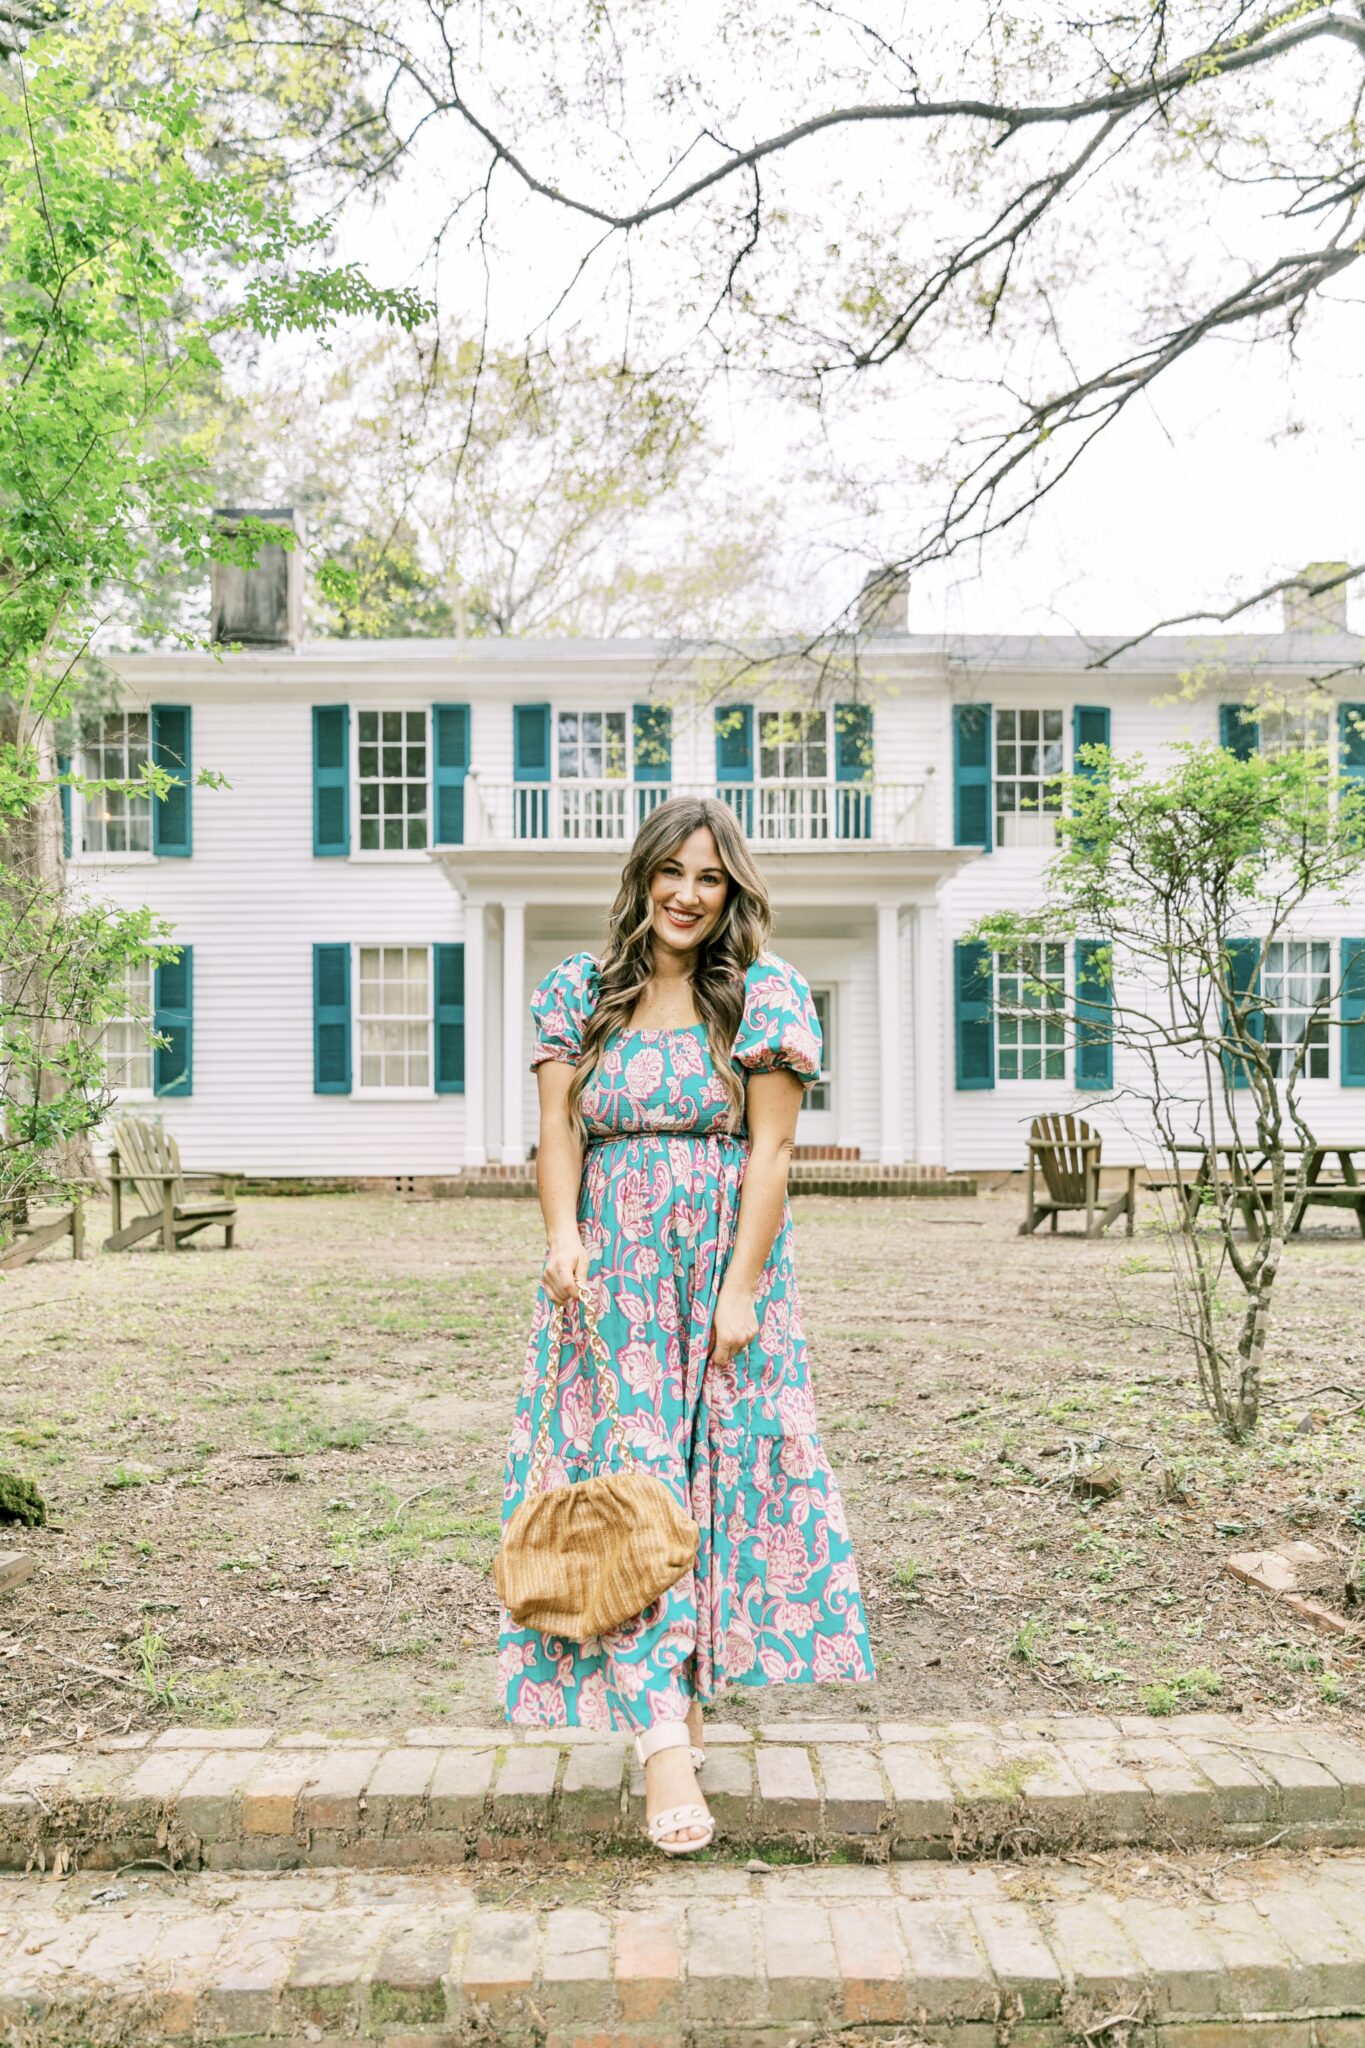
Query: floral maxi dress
x,y
774,1596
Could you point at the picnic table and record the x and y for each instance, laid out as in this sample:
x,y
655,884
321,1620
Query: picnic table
x,y
1244,1166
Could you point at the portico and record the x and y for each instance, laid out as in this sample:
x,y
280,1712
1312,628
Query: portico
x,y
860,922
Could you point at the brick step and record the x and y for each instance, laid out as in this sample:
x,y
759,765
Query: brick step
x,y
1179,1952
264,1799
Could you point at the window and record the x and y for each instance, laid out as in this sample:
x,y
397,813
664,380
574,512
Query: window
x,y
127,1041
793,763
819,1098
392,777
1296,986
1028,759
394,1018
1295,729
1031,1014
115,750
793,746
592,746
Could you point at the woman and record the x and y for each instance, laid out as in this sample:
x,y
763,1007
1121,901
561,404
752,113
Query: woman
x,y
670,1075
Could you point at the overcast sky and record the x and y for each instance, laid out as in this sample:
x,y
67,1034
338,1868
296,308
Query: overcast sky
x,y
1243,465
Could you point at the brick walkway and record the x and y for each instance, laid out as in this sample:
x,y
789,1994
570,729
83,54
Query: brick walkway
x,y
1197,1954
262,1799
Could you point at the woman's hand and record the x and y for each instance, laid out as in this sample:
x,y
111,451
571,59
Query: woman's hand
x,y
734,1325
565,1272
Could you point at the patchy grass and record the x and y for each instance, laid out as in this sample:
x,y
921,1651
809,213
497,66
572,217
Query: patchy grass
x,y
275,1476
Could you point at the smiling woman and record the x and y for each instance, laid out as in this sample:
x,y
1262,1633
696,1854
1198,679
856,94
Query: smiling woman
x,y
668,1322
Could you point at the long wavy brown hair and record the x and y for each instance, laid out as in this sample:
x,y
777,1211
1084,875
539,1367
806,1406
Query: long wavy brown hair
x,y
627,965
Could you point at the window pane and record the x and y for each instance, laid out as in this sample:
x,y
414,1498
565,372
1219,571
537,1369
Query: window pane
x,y
1030,1006
114,748
391,767
394,1016
1295,994
1029,756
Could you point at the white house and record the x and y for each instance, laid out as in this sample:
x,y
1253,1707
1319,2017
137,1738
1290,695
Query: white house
x,y
413,832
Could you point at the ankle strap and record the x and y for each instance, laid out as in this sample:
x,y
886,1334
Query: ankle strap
x,y
663,1735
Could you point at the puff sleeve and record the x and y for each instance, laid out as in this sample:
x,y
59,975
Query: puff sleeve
x,y
561,1007
779,1027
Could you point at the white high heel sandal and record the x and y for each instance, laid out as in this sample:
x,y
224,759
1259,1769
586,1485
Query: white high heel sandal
x,y
673,1735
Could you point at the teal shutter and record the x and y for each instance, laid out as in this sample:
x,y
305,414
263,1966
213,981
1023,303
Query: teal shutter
x,y
974,1014
531,763
652,750
64,795
1353,1013
448,977
331,781
652,733
172,825
1351,755
450,754
1244,979
331,1020
1237,730
973,824
1094,1019
735,758
853,765
173,1020
1089,728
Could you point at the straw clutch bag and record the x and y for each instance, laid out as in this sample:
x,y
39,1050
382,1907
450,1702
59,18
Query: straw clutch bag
x,y
582,1559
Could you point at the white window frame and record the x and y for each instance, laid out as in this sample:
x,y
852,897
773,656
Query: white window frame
x,y
1274,716
378,1092
148,1023
621,711
397,854
830,1037
805,801
1044,842
1325,1013
1022,1080
823,713
80,808
594,810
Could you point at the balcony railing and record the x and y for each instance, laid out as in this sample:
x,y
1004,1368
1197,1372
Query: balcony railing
x,y
609,813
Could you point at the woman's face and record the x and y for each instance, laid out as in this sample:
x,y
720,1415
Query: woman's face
x,y
688,893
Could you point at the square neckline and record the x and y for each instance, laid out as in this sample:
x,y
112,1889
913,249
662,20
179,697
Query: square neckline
x,y
661,1031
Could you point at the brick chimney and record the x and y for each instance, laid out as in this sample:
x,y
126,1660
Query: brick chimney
x,y
261,607
1307,611
884,602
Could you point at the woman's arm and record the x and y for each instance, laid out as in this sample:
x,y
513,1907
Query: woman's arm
x,y
559,1174
772,1102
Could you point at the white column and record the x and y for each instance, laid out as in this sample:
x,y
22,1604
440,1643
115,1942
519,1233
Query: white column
x,y
475,1034
930,1140
893,1051
513,997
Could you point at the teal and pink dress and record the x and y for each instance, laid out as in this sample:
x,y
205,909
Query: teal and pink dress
x,y
774,1596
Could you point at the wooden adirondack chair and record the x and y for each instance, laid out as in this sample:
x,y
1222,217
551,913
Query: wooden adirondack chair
x,y
41,1224
147,1159
1067,1152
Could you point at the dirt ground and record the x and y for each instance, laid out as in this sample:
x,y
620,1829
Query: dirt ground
x,y
274,1475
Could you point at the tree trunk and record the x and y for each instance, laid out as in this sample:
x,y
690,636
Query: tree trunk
x,y
1251,1347
33,867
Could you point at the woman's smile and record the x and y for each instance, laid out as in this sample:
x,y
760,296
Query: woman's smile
x,y
689,890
